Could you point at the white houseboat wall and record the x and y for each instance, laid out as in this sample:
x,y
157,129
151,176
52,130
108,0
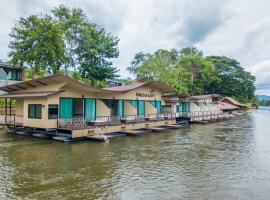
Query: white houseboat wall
x,y
199,108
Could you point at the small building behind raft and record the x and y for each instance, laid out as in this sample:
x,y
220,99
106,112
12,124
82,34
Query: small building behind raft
x,y
232,101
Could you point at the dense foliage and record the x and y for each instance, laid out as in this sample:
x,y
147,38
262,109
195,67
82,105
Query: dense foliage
x,y
185,70
65,40
263,102
189,72
37,42
232,79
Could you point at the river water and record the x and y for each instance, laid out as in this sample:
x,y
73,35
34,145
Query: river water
x,y
225,160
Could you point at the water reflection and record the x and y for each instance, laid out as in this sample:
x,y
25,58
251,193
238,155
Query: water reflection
x,y
226,160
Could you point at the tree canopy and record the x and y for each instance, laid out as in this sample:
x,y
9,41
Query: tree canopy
x,y
232,80
37,43
65,40
263,102
185,70
189,72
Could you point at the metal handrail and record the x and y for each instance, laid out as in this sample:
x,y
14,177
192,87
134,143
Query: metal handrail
x,y
79,122
170,115
12,119
134,118
72,123
202,114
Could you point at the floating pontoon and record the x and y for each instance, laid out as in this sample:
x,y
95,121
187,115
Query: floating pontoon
x,y
41,135
175,126
157,129
138,131
63,138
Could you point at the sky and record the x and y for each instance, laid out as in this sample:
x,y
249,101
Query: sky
x,y
239,29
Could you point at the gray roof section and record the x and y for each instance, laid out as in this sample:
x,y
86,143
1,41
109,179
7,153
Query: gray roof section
x,y
7,65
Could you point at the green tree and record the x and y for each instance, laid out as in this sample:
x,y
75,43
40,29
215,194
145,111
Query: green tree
x,y
87,46
95,48
38,43
185,70
153,66
197,73
66,41
137,61
190,51
71,21
263,102
232,80
126,81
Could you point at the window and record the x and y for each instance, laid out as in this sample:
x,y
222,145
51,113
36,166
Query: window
x,y
13,75
53,111
34,111
19,75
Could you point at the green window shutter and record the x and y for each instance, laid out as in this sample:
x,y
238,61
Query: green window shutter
x,y
35,111
120,108
9,75
140,107
13,75
90,109
66,108
52,111
180,107
31,111
38,112
184,107
158,106
188,107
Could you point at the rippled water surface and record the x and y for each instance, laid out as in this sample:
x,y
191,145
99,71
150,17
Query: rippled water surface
x,y
225,160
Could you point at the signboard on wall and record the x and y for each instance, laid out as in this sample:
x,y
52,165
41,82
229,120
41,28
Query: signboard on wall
x,y
141,94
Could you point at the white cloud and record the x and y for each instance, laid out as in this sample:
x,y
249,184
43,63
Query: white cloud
x,y
262,72
238,29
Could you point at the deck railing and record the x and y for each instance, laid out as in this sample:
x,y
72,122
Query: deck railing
x,y
72,123
134,118
170,115
202,114
155,117
11,119
81,123
106,120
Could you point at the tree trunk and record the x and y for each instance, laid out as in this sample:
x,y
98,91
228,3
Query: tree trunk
x,y
32,73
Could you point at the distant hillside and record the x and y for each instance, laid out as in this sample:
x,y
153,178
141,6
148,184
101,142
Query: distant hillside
x,y
263,97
